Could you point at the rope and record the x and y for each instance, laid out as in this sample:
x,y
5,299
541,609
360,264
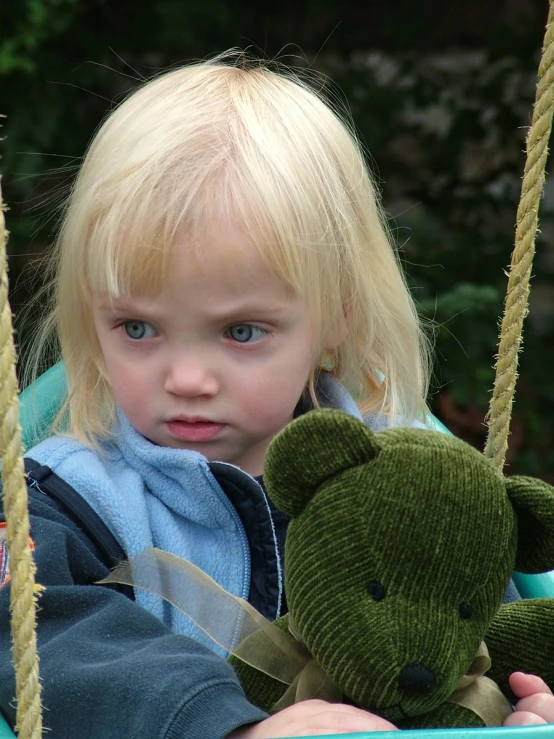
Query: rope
x,y
516,306
23,589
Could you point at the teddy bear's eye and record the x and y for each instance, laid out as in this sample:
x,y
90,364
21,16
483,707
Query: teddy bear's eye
x,y
466,611
376,590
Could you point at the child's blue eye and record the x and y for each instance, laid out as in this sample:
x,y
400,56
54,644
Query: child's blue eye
x,y
244,333
139,330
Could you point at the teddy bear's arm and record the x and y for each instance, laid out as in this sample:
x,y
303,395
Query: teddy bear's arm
x,y
260,689
521,638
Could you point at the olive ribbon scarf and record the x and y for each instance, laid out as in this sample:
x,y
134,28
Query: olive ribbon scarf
x,y
481,694
237,627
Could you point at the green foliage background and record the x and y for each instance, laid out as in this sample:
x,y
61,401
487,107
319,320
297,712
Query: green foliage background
x,y
440,93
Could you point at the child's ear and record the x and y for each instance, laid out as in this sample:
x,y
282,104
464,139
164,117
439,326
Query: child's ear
x,y
334,336
533,501
311,449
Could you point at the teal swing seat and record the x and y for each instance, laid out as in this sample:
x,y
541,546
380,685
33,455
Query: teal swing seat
x,y
38,406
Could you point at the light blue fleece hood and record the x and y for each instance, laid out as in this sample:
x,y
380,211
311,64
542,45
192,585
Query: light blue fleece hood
x,y
152,496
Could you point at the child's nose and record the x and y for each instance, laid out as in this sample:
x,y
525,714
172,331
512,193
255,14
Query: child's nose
x,y
189,376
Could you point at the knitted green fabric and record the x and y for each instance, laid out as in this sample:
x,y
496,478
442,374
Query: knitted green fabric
x,y
397,559
521,637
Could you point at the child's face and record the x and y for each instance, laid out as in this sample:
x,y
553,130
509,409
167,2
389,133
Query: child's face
x,y
218,361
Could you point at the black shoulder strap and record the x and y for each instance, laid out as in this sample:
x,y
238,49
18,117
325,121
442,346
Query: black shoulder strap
x,y
43,479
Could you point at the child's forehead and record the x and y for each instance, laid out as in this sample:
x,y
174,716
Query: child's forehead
x,y
221,254
227,256
218,246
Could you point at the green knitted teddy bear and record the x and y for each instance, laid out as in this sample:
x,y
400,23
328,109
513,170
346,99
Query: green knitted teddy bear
x,y
397,558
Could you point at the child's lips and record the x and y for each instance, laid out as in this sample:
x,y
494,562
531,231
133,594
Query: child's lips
x,y
195,430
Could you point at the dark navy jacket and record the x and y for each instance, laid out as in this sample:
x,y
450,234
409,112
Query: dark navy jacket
x,y
109,669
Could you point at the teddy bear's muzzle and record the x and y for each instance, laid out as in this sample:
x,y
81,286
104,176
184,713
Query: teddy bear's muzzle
x,y
416,679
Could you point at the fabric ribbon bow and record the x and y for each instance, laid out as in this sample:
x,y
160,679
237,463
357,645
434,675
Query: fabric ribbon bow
x,y
238,628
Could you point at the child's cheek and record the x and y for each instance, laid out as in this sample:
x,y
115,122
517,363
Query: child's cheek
x,y
133,394
269,403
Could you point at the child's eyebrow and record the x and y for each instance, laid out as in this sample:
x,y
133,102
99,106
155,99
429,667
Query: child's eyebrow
x,y
119,305
246,308
242,308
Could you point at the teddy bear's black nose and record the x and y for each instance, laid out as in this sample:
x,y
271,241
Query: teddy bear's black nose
x,y
416,679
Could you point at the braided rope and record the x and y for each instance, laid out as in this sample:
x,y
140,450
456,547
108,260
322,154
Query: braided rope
x,y
23,589
516,306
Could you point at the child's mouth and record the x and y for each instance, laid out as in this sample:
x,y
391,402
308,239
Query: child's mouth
x,y
195,430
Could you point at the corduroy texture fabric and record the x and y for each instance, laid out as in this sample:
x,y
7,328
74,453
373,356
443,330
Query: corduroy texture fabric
x,y
522,634
396,562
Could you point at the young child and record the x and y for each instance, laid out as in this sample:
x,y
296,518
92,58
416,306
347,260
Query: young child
x,y
222,267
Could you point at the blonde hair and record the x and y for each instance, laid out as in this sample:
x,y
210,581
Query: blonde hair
x,y
219,140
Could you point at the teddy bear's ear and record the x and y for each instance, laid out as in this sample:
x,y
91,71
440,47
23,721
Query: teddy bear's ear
x,y
533,501
308,451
